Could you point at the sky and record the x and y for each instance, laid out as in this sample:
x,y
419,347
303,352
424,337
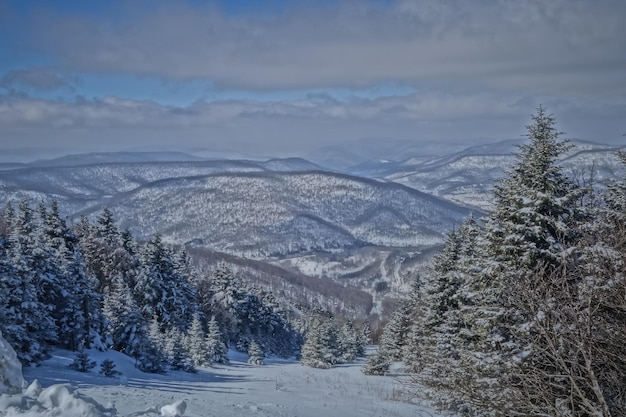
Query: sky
x,y
286,77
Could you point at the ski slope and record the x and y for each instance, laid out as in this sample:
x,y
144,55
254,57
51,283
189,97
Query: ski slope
x,y
278,388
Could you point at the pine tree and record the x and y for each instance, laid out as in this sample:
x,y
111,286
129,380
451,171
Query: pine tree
x,y
315,352
160,291
82,362
579,327
217,350
196,344
31,328
377,364
126,324
440,333
77,304
7,219
351,343
396,330
152,357
255,353
220,298
107,368
532,228
177,356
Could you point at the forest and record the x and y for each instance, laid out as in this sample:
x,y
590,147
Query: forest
x,y
92,286
524,313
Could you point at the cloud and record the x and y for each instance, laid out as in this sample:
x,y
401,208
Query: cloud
x,y
534,46
33,78
436,120
467,70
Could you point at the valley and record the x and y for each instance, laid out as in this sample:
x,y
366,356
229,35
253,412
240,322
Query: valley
x,y
351,243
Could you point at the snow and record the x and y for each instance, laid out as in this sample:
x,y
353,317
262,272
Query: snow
x,y
11,380
177,409
278,388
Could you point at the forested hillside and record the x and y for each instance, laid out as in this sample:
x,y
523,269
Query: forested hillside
x,y
94,286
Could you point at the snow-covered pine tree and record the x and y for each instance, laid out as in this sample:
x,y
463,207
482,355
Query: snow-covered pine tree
x,y
127,326
351,345
315,352
109,254
76,308
366,332
82,362
255,353
331,341
579,323
441,329
395,333
196,343
7,218
107,368
533,227
177,355
9,283
278,335
377,364
219,297
47,253
152,357
439,297
31,328
160,291
216,348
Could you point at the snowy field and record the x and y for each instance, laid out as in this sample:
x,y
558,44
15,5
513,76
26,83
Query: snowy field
x,y
279,388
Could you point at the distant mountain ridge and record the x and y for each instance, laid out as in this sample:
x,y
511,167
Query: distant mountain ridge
x,y
467,177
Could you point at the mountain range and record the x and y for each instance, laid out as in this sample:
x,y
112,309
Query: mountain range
x,y
352,240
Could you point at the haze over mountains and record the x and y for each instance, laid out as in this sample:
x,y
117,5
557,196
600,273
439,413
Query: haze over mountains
x,y
371,227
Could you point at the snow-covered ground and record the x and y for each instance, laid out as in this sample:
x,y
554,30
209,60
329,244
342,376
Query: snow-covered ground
x,y
278,388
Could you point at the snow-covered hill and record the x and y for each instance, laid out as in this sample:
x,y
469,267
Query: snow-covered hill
x,y
262,214
278,388
467,177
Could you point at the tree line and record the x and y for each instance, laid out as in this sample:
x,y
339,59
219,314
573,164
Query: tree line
x,y
91,285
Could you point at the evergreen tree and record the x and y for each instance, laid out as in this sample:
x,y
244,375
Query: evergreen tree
x,y
160,291
196,343
377,364
107,368
220,298
127,326
439,335
396,330
177,356
366,333
30,328
255,353
578,365
82,362
217,350
331,342
152,357
533,228
7,219
351,344
315,352
76,308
